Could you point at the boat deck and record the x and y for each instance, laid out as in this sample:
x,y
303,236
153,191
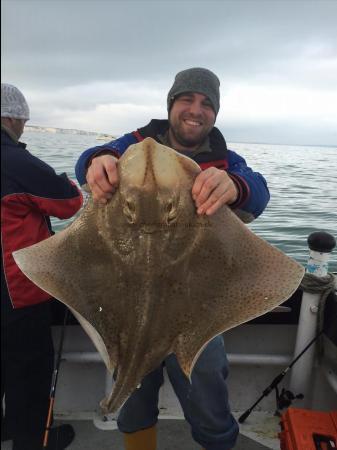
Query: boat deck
x,y
173,435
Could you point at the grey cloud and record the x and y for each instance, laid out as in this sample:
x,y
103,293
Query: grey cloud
x,y
78,40
64,53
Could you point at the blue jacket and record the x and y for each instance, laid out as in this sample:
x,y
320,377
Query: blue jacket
x,y
253,191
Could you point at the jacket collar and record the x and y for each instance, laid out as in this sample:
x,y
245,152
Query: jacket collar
x,y
8,137
160,127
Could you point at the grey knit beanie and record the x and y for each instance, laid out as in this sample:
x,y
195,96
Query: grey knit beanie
x,y
199,80
13,103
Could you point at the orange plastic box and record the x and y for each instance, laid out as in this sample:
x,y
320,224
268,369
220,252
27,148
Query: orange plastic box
x,y
303,429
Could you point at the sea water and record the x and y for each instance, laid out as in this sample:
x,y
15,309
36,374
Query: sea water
x,y
302,181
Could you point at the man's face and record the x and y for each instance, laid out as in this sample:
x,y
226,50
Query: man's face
x,y
191,119
17,126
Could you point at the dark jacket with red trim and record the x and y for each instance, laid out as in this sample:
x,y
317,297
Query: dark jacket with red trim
x,y
252,187
31,191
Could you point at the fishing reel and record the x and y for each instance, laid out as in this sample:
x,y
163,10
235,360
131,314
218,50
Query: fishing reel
x,y
284,399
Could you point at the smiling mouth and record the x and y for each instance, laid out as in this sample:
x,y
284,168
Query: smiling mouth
x,y
192,123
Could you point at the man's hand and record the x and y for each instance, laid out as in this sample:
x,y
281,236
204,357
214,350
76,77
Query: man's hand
x,y
212,189
102,177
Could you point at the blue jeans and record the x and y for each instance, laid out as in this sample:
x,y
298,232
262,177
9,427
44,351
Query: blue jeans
x,y
204,402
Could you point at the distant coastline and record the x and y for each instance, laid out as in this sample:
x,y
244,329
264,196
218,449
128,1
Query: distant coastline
x,y
38,129
109,137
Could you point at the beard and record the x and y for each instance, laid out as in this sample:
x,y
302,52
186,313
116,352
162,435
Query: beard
x,y
187,136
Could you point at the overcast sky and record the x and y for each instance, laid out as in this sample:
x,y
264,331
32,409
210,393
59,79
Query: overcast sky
x,y
107,65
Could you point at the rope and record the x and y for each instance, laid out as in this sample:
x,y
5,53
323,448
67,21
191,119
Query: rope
x,y
324,286
315,285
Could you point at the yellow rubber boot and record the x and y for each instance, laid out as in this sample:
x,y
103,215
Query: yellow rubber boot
x,y
141,440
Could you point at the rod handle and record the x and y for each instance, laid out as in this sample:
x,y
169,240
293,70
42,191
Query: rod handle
x,y
49,419
244,416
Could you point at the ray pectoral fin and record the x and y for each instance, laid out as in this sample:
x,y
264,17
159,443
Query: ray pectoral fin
x,y
37,262
109,358
186,350
248,277
60,266
54,267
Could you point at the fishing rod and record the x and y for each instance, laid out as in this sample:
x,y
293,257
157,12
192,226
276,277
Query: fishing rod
x,y
54,382
278,379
